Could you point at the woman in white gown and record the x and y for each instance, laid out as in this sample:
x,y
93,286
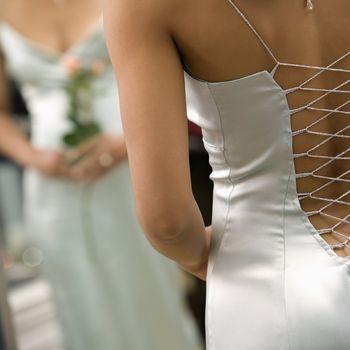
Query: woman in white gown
x,y
274,112
112,291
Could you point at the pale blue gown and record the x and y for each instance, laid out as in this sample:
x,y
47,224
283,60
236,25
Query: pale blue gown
x,y
112,290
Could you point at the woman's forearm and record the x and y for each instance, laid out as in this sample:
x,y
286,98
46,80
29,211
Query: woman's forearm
x,y
153,110
184,240
13,143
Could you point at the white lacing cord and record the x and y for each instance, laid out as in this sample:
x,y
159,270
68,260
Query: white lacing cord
x,y
312,102
328,113
319,69
307,129
345,237
308,153
343,155
245,19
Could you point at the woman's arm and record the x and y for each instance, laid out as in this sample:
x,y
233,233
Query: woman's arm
x,y
9,134
16,146
152,94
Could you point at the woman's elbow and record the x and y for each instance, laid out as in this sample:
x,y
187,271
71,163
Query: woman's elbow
x,y
162,225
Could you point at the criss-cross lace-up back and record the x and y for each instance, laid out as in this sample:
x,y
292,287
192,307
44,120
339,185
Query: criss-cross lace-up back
x,y
320,110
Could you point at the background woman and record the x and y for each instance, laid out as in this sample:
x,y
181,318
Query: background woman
x,y
112,290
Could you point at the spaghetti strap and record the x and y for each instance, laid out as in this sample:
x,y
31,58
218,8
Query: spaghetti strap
x,y
245,19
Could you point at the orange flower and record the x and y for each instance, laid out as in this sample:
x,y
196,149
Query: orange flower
x,y
98,67
72,64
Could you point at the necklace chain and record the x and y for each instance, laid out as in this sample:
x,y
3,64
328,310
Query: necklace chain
x,y
309,3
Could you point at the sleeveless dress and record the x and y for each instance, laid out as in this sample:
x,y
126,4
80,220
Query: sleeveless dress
x,y
112,290
273,282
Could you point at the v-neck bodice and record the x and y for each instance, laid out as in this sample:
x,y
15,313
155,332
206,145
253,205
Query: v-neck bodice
x,y
29,62
42,78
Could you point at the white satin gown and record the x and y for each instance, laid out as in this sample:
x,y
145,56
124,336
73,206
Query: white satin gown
x,y
273,282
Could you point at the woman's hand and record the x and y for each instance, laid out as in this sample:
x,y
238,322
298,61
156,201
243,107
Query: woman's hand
x,y
200,270
95,157
49,163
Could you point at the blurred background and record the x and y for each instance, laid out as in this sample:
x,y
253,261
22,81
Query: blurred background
x,y
31,322
32,309
31,312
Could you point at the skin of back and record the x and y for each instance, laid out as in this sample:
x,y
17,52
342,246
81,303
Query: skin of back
x,y
216,45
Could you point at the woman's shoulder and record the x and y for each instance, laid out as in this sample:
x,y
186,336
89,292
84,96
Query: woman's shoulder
x,y
156,12
3,8
151,6
9,8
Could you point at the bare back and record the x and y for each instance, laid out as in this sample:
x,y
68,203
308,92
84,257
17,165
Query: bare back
x,y
259,69
217,44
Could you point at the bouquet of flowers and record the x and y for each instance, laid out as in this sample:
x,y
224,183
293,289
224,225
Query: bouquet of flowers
x,y
80,93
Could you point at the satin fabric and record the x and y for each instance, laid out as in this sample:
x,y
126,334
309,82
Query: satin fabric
x,y
273,282
124,295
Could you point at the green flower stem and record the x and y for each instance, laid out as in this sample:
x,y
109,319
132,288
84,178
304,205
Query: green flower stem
x,y
80,92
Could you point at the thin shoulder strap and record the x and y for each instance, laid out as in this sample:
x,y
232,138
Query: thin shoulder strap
x,y
245,19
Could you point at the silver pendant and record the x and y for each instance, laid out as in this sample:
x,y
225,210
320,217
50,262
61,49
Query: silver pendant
x,y
309,4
